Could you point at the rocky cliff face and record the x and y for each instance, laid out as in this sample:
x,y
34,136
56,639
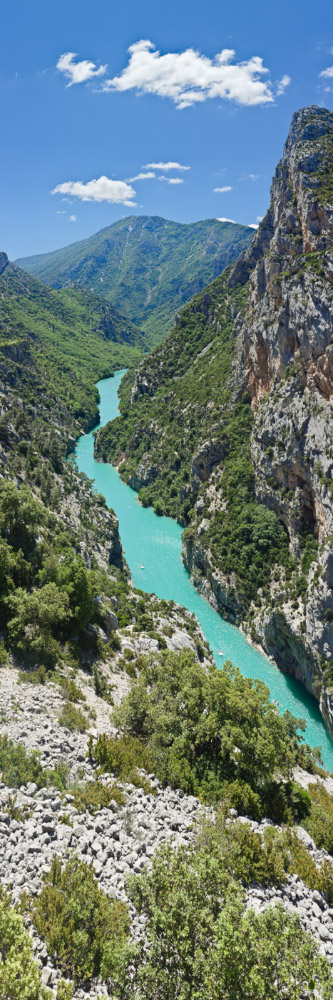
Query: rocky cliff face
x,y
286,353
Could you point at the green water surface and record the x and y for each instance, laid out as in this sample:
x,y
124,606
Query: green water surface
x,y
152,548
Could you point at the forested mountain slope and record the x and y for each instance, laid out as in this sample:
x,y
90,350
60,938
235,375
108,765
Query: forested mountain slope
x,y
146,266
229,425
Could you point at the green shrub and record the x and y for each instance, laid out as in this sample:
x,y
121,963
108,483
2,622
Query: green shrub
x,y
84,930
20,975
37,618
73,718
101,686
3,652
207,729
19,767
122,756
33,676
241,852
320,822
202,943
94,795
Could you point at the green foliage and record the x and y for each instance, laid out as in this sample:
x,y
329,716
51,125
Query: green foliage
x,y
20,975
15,812
94,796
299,860
203,943
123,756
320,821
205,729
83,929
240,852
101,686
19,767
35,618
73,718
73,579
150,266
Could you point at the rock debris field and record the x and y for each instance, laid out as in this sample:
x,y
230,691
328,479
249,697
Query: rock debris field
x,y
117,840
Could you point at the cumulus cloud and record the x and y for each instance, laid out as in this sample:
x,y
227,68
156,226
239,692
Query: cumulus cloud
x,y
78,72
189,77
283,84
252,225
328,73
222,190
101,189
171,180
72,218
223,219
142,177
170,165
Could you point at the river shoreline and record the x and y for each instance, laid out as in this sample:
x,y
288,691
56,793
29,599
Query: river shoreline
x,y
152,547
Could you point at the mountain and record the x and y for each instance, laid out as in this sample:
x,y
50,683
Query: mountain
x,y
61,342
146,266
229,424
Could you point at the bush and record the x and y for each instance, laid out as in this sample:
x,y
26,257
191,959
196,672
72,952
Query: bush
x,y
204,944
20,977
122,756
19,766
84,930
320,822
94,795
101,686
73,718
206,729
241,852
36,619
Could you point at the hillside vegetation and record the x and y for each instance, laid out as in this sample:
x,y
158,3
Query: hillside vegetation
x,y
146,266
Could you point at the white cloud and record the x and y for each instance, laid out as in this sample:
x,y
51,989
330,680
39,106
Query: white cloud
x,y
72,218
283,84
222,190
189,77
226,220
252,225
78,72
260,218
142,177
62,212
327,72
171,180
170,165
101,189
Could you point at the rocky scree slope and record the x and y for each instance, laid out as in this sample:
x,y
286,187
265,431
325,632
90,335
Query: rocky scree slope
x,y
228,425
40,822
146,266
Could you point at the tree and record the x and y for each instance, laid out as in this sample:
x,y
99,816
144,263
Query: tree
x,y
37,618
19,972
204,945
20,517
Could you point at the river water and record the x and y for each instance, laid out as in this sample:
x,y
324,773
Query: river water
x,y
152,548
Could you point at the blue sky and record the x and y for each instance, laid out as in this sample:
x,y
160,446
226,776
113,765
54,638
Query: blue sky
x,y
106,113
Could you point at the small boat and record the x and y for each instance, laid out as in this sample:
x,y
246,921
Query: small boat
x,y
141,567
221,652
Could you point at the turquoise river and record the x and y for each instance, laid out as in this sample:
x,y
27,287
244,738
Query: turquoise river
x,y
152,548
